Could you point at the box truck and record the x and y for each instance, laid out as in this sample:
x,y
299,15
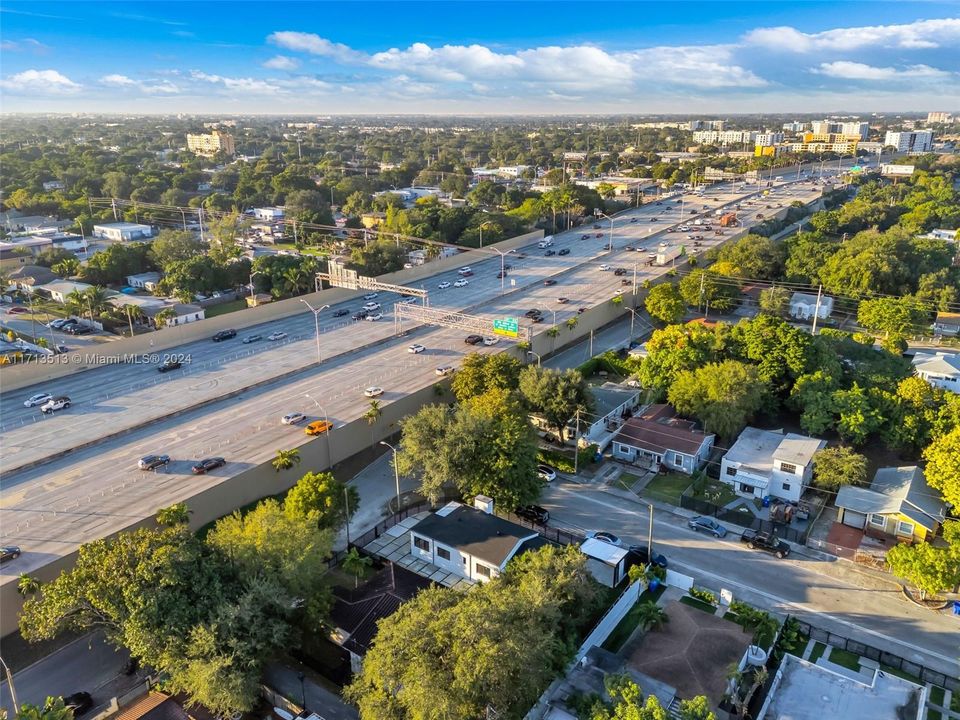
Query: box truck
x,y
667,255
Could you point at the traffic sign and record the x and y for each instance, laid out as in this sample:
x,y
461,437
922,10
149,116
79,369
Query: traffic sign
x,y
506,326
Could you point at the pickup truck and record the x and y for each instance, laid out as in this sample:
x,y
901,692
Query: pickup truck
x,y
765,541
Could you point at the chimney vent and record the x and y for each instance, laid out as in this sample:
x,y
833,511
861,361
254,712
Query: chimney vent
x,y
483,503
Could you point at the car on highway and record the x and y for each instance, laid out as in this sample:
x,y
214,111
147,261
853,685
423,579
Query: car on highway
x,y
653,219
371,296
341,312
490,341
444,370
373,317
641,554
536,319
604,267
225,335
465,272
546,473
9,552
599,235
443,286
502,274
318,427
38,399
360,315
57,403
627,281
252,339
473,339
564,251
549,253
533,513
533,312
563,300
462,282
78,703
274,336
620,271
585,237
373,391
152,462
549,281
707,525
633,220
208,464
168,365
596,227
416,348
629,248
606,537
370,306
292,418
408,301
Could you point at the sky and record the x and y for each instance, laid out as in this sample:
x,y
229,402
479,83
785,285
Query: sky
x,y
472,58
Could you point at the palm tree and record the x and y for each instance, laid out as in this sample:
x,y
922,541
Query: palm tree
x,y
572,323
372,415
173,515
162,318
27,585
286,459
617,300
75,303
295,280
356,564
97,300
68,267
651,616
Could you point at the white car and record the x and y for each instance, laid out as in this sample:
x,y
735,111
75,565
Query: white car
x,y
416,348
373,391
461,283
409,300
38,399
619,291
443,286
546,473
371,306
371,296
374,317
444,370
293,418
465,269
52,404
276,336
604,267
488,341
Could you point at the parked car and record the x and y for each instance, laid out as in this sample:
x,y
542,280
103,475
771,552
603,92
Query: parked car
x,y
38,399
473,339
152,462
57,403
341,312
252,339
443,286
462,282
373,391
225,335
641,555
77,329
318,427
208,464
707,525
9,552
78,702
606,537
292,418
18,310
444,370
546,473
564,251
168,365
533,513
768,542
58,323
416,349
274,336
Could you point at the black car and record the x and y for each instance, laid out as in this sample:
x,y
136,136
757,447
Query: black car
x,y
563,300
565,251
341,312
360,315
620,271
225,335
549,281
581,311
533,513
169,365
9,552
629,247
626,281
596,227
76,329
473,339
640,555
501,274
208,464
533,313
633,220
584,237
79,702
537,319
549,253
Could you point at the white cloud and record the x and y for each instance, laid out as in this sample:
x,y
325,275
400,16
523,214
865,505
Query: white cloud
x,y
315,45
46,82
282,62
252,86
118,80
847,70
26,45
163,87
923,34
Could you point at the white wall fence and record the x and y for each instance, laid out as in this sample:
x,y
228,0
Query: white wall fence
x,y
611,619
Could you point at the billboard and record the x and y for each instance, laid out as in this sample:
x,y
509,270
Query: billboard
x,y
506,326
897,170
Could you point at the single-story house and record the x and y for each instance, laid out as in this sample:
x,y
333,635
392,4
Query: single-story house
x,y
153,706
60,289
658,437
144,302
947,323
123,231
766,462
940,369
25,245
268,213
607,563
144,281
356,612
899,503
183,313
612,403
371,220
471,541
31,223
26,277
804,305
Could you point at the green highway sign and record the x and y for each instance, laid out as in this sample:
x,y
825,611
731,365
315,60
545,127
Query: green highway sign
x,y
506,326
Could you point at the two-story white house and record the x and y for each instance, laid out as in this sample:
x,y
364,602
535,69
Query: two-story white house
x,y
804,306
940,369
471,541
766,462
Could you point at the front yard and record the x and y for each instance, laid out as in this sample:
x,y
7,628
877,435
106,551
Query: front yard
x,y
668,487
713,491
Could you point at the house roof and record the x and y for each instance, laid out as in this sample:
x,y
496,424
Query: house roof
x,y
939,363
358,611
808,299
603,551
950,317
145,277
122,226
610,396
153,706
65,287
757,449
902,490
475,533
37,273
657,430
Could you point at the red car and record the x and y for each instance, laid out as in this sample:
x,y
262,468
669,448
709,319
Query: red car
x,y
208,464
17,310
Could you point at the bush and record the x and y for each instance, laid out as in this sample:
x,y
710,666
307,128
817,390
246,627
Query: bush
x,y
703,595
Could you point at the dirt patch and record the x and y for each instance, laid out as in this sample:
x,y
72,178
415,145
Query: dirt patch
x,y
691,652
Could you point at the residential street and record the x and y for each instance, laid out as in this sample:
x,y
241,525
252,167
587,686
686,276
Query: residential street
x,y
831,595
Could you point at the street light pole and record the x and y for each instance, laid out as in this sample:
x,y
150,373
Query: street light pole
x,y
316,320
650,533
481,231
633,316
502,271
327,433
598,213
531,352
257,272
13,692
396,471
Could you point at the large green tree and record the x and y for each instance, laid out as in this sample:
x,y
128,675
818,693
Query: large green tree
x,y
838,466
323,498
665,303
709,291
943,466
555,394
479,373
172,246
724,396
676,348
932,569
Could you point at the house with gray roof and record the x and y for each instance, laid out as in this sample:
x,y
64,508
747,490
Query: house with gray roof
x,y
940,369
899,504
770,462
658,438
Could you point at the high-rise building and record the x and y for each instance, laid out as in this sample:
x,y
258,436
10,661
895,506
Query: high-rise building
x,y
211,144
861,129
939,117
794,126
724,137
770,138
824,127
916,141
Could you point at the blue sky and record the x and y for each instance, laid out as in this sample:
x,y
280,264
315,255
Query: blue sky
x,y
479,57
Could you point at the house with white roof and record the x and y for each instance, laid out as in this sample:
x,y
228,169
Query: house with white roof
x,y
123,231
947,323
804,305
59,290
940,369
767,462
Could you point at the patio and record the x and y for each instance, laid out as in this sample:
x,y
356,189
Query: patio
x,y
843,540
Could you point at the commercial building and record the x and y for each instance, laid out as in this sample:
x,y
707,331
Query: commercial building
x,y
824,127
123,231
268,214
915,141
707,125
211,144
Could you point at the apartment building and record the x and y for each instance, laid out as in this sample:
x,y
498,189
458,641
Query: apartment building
x,y
855,129
794,127
725,137
769,138
935,118
211,144
914,141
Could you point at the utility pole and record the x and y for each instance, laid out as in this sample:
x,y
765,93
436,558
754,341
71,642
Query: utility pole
x,y
703,277
346,511
650,533
816,311
576,445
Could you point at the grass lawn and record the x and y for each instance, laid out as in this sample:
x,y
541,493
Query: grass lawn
x,y
817,652
698,604
224,308
624,629
668,487
955,702
936,695
714,491
626,481
845,658
934,715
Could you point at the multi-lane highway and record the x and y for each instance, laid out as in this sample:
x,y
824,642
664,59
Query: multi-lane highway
x,y
68,499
